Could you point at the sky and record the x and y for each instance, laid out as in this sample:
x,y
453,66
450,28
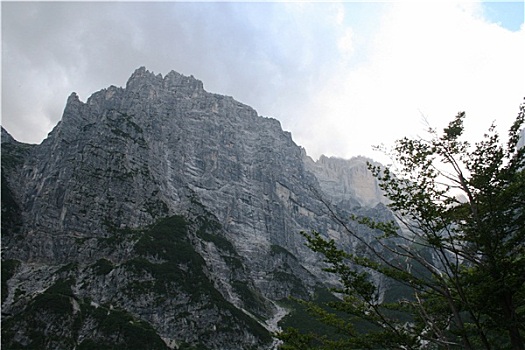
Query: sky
x,y
340,76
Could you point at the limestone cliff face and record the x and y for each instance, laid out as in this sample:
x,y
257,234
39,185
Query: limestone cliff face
x,y
521,142
164,204
347,180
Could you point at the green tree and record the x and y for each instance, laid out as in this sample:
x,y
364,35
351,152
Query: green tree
x,y
456,250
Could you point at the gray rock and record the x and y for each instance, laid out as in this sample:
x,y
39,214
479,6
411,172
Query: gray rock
x,y
128,158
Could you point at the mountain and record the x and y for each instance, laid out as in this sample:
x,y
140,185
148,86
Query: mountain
x,y
348,182
160,215
521,142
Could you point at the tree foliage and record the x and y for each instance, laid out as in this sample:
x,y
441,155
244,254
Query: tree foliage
x,y
456,249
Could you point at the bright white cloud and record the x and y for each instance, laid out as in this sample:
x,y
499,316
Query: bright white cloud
x,y
430,60
346,43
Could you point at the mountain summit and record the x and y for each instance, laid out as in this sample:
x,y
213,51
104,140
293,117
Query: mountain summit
x,y
160,215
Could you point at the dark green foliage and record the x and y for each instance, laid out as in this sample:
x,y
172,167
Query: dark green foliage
x,y
123,126
11,212
130,333
459,265
162,266
117,235
156,207
299,317
253,300
67,268
186,346
90,344
102,267
169,257
51,322
168,239
285,276
47,320
233,262
14,154
277,249
178,262
284,273
210,231
56,299
8,270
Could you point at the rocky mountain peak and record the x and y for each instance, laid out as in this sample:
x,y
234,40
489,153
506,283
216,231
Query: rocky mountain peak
x,y
173,206
142,76
176,80
142,80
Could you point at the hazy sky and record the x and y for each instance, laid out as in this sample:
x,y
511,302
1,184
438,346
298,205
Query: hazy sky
x,y
340,76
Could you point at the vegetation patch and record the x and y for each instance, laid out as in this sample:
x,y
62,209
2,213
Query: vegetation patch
x,y
67,268
278,250
286,278
124,127
117,235
102,267
11,212
14,154
51,322
129,332
8,270
180,265
47,321
55,299
253,301
219,241
234,262
182,268
300,318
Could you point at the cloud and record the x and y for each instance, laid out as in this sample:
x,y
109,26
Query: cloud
x,y
340,76
426,60
250,51
48,52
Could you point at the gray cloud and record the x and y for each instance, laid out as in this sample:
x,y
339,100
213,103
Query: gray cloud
x,y
255,52
283,59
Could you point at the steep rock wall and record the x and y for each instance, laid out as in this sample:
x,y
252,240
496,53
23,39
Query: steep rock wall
x,y
130,158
